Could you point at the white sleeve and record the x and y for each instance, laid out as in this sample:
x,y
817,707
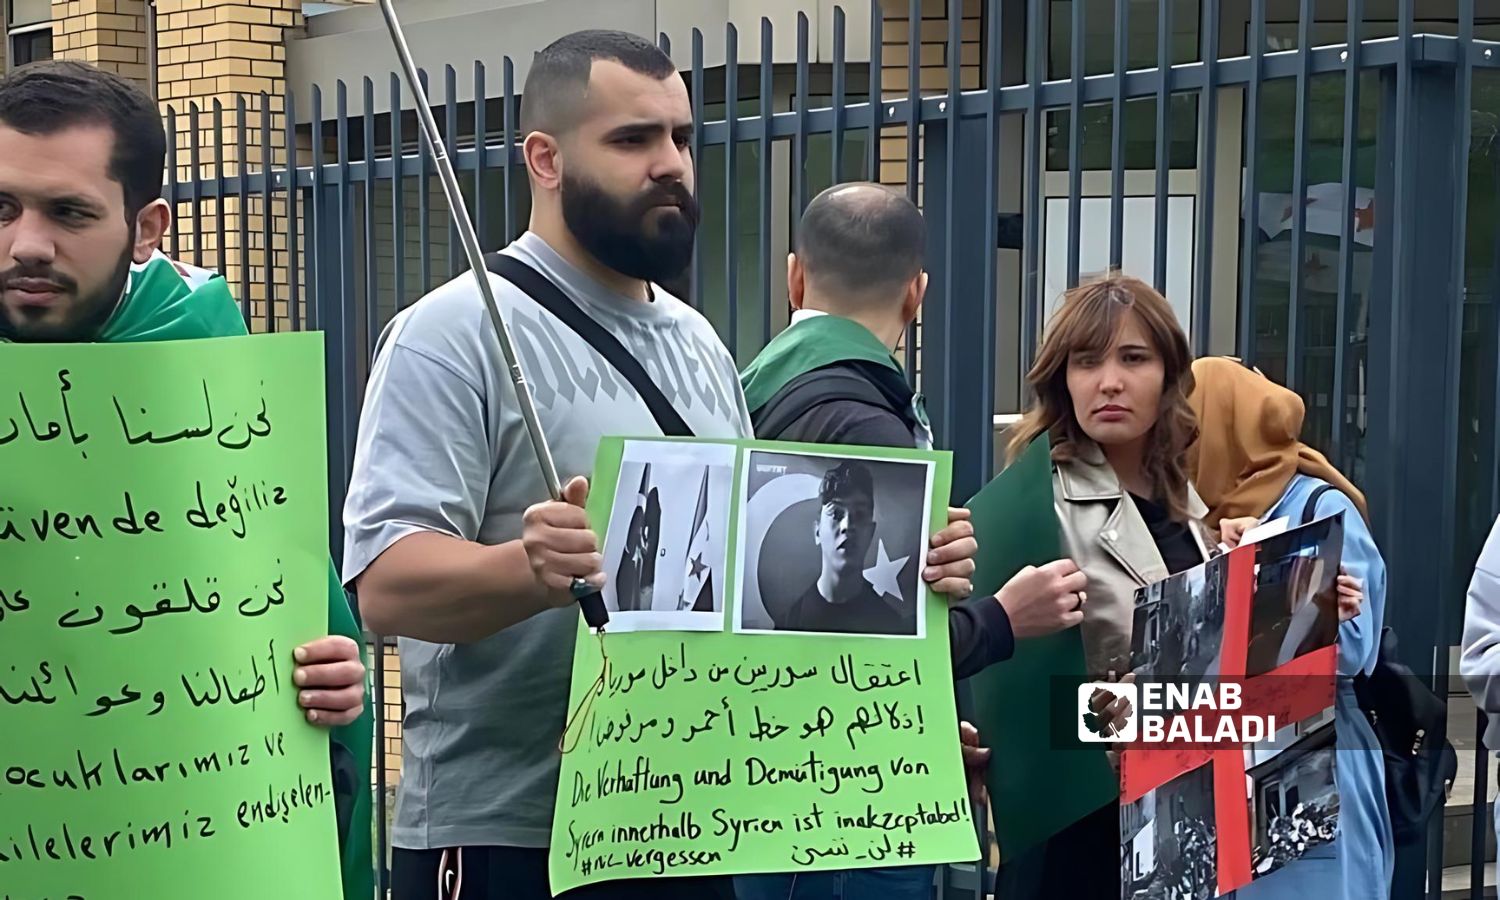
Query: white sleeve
x,y
1479,664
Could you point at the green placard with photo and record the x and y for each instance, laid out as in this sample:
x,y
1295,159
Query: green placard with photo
x,y
778,692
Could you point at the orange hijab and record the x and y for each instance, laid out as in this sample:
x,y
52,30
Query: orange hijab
x,y
1249,446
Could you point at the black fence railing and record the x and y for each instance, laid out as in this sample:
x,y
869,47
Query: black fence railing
x,y
1382,314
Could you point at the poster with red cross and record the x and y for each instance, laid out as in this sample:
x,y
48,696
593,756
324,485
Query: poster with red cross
x,y
1213,804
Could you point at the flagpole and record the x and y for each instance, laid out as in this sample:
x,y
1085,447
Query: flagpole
x,y
592,602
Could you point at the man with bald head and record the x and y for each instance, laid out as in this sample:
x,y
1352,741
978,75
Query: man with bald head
x,y
855,281
858,260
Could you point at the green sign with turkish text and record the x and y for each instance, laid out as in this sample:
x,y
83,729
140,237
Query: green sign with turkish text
x,y
163,536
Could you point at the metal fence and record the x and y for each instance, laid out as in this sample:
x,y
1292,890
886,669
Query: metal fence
x,y
1395,351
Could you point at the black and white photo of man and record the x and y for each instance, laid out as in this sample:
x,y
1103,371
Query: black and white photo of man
x,y
841,600
833,544
666,545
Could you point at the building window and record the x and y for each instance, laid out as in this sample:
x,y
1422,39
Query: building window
x,y
28,29
30,46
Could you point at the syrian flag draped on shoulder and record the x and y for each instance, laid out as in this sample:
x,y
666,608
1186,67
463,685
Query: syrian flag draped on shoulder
x,y
169,301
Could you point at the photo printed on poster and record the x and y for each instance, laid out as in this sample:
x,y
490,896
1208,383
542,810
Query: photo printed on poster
x,y
666,553
1295,610
1169,840
1179,626
1293,794
833,544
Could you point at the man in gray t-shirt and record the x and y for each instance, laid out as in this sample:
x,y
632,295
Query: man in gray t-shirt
x,y
449,543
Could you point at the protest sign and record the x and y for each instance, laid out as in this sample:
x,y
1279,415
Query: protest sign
x,y
163,534
1204,817
742,723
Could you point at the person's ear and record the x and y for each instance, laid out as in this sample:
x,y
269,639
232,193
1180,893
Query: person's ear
x,y
151,225
916,292
796,281
543,157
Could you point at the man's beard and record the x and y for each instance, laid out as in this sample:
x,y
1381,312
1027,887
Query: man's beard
x,y
615,233
88,314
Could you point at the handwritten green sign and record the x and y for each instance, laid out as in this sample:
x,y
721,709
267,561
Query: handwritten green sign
x,y
743,722
163,513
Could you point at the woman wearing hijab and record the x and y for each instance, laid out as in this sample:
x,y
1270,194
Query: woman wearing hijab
x,y
1249,464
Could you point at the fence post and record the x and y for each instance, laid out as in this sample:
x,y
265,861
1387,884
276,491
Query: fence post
x,y
1416,305
328,240
958,365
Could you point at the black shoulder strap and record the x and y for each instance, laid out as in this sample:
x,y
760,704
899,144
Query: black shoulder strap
x,y
1310,511
811,389
541,289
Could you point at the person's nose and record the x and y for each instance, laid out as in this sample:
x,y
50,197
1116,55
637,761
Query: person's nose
x,y
670,162
1111,379
31,240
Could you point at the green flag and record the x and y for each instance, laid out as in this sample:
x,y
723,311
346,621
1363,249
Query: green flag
x,y
1040,779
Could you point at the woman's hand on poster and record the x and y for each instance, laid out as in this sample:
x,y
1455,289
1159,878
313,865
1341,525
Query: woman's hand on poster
x,y
1232,531
1041,600
561,546
1351,595
950,562
330,679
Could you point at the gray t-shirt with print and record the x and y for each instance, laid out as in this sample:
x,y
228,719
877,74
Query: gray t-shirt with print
x,y
442,448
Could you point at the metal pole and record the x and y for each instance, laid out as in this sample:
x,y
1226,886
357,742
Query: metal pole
x,y
591,601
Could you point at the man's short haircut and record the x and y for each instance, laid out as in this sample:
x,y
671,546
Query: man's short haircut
x,y
846,481
861,240
559,77
44,98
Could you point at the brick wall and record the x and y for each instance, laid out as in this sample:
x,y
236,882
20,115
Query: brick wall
x,y
111,34
391,710
895,80
220,51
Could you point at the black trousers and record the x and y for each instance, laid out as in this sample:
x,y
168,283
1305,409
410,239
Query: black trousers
x,y
1081,862
520,873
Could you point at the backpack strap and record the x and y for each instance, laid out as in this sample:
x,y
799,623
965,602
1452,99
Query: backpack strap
x,y
551,298
811,389
1310,511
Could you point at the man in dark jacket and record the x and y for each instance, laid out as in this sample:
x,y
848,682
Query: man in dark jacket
x,y
855,281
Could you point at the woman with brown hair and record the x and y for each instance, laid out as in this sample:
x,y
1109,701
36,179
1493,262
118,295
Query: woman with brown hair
x,y
1111,385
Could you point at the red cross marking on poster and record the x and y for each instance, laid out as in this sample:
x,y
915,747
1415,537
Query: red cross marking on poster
x,y
1144,768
